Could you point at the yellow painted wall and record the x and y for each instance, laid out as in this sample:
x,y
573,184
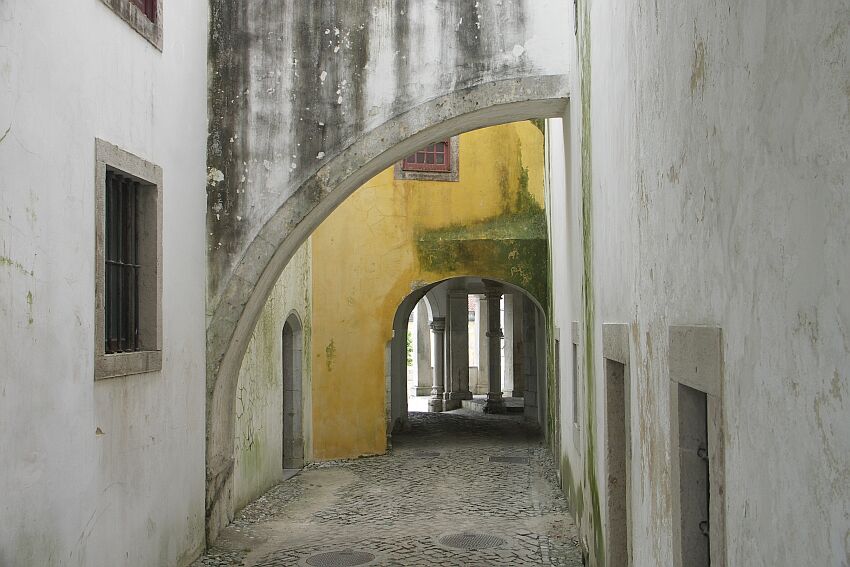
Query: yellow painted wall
x,y
366,261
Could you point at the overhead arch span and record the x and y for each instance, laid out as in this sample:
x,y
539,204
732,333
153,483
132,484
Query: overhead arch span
x,y
235,310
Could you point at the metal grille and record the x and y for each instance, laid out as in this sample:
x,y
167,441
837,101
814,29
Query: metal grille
x,y
434,157
121,247
345,558
507,459
470,540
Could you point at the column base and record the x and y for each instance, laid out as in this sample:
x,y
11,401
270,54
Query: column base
x,y
495,404
464,395
514,394
435,405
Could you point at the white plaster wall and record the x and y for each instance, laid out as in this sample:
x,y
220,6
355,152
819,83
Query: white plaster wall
x,y
133,495
561,206
719,136
259,397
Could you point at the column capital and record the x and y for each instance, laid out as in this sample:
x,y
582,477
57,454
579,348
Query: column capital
x,y
496,334
457,293
438,324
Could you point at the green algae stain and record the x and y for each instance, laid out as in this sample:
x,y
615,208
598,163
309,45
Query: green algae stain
x,y
587,286
540,123
516,260
29,306
8,262
525,202
512,246
330,355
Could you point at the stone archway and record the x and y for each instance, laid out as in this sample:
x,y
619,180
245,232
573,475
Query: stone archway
x,y
535,355
236,308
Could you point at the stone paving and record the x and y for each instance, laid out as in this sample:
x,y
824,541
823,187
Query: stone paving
x,y
438,480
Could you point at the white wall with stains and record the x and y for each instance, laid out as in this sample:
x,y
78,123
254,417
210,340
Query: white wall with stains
x,y
107,473
710,142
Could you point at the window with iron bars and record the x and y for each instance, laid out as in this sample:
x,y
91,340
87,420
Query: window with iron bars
x,y
128,274
434,157
121,250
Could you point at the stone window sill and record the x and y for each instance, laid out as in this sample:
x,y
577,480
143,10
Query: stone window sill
x,y
127,363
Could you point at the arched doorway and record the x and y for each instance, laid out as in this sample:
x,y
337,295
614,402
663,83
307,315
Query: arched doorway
x,y
293,406
526,352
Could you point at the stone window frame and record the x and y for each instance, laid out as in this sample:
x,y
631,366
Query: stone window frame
x,y
576,375
695,359
109,156
616,348
149,29
453,175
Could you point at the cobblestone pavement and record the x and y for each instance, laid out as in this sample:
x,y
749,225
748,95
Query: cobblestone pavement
x,y
437,481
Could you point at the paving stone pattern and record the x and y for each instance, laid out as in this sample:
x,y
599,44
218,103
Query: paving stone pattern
x,y
436,481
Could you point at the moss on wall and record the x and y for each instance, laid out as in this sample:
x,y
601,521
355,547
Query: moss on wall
x,y
594,517
490,248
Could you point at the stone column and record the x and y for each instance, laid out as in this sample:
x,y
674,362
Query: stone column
x,y
457,326
508,331
514,346
422,351
483,349
529,359
495,403
438,329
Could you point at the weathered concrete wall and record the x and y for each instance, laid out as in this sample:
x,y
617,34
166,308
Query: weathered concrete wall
x,y
709,150
393,236
297,82
108,472
259,396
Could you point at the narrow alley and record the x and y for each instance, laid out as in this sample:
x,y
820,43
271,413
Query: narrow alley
x,y
458,488
424,283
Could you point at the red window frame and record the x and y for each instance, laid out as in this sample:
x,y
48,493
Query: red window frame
x,y
148,8
436,157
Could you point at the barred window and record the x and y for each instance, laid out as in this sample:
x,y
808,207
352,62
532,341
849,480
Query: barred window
x,y
122,268
128,310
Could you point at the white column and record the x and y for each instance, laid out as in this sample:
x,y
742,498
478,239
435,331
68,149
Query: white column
x,y
483,347
508,372
515,346
457,327
438,328
422,351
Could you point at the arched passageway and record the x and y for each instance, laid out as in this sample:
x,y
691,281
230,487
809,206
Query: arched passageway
x,y
455,381
238,309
